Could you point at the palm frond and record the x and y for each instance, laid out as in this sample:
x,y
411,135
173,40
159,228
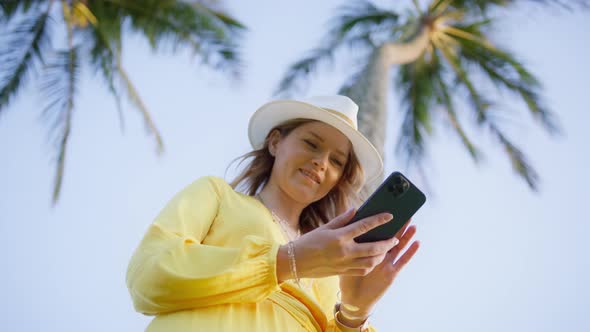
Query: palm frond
x,y
140,105
11,8
59,85
453,50
297,74
518,160
24,50
445,98
111,20
415,82
359,19
103,59
355,79
482,7
462,77
504,70
437,7
213,9
359,25
212,35
106,59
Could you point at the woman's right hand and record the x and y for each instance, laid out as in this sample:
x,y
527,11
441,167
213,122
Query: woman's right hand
x,y
331,250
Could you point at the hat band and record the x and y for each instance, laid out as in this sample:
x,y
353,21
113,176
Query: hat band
x,y
342,116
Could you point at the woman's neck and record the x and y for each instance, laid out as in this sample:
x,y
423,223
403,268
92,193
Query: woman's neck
x,y
281,204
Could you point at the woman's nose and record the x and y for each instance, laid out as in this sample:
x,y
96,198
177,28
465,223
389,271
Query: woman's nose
x,y
321,161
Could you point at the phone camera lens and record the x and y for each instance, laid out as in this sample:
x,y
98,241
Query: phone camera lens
x,y
398,186
406,185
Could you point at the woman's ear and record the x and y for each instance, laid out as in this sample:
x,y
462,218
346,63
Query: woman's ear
x,y
273,140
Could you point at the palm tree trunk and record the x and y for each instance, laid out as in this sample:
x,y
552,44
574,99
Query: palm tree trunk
x,y
369,90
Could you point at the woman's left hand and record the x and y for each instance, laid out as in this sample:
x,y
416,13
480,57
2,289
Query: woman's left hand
x,y
363,292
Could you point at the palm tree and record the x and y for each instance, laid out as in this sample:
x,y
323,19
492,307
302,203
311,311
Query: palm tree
x,y
444,60
94,30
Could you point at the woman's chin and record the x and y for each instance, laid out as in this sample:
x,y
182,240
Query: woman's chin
x,y
304,192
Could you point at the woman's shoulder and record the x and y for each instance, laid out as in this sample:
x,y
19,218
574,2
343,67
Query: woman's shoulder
x,y
209,180
212,183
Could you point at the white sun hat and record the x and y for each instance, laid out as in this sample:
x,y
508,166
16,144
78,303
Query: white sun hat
x,y
338,111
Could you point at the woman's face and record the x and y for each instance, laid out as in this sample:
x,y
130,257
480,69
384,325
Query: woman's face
x,y
309,161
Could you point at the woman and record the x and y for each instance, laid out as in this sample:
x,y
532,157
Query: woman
x,y
280,257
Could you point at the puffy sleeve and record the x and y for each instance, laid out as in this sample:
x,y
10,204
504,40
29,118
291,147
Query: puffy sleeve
x,y
172,270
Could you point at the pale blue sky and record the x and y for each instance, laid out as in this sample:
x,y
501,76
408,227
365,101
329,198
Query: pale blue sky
x,y
494,256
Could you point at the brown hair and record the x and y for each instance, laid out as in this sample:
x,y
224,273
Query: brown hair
x,y
344,194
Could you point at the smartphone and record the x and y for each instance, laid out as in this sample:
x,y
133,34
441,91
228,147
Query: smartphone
x,y
396,195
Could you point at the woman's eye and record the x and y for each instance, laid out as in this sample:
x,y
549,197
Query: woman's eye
x,y
310,144
337,162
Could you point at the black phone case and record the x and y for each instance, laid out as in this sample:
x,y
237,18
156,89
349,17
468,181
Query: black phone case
x,y
396,195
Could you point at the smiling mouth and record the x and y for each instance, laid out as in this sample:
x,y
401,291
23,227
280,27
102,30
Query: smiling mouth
x,y
310,175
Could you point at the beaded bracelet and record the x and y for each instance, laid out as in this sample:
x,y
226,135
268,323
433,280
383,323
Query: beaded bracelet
x,y
293,265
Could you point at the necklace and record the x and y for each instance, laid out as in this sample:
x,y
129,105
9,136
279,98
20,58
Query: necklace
x,y
287,231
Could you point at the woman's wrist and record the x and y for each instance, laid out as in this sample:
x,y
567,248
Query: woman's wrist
x,y
283,270
290,265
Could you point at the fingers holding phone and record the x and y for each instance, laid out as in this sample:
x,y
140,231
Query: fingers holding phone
x,y
365,225
332,250
355,242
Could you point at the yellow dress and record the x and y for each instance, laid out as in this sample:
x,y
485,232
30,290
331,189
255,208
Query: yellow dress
x,y
208,263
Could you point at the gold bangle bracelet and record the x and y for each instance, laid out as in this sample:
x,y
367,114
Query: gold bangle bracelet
x,y
348,310
363,327
349,316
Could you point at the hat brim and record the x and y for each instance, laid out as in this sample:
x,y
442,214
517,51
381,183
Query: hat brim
x,y
276,112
